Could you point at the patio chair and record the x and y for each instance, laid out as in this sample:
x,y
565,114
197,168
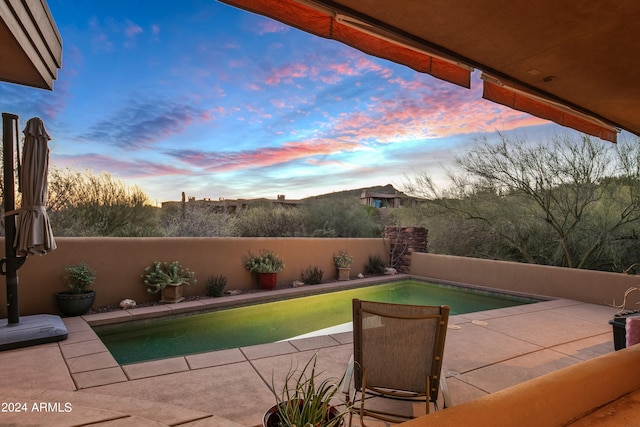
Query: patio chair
x,y
398,352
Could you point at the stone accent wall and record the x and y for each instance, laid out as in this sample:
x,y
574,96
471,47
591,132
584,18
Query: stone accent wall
x,y
404,241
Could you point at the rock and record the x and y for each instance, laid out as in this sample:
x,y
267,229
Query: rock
x,y
297,284
127,303
390,270
360,276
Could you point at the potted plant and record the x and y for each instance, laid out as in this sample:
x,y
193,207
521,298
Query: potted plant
x,y
168,278
78,299
619,321
343,261
266,265
305,401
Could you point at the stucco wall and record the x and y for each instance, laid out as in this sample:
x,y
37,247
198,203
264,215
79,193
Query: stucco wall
x,y
582,285
119,262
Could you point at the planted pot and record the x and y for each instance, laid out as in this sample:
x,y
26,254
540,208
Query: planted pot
x,y
172,293
343,273
619,323
75,304
267,280
271,418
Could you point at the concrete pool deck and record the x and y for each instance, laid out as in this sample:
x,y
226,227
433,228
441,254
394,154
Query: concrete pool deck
x,y
77,381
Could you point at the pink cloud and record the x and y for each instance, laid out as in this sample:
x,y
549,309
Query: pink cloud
x,y
422,109
287,73
132,30
264,156
269,27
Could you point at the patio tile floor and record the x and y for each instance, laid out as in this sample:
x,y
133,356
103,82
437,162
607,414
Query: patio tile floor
x,y
488,351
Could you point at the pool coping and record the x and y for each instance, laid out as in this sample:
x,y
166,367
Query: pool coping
x,y
243,299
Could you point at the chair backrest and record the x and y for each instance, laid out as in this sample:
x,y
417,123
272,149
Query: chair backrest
x,y
399,345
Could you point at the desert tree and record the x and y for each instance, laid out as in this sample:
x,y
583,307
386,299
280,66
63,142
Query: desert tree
x,y
340,217
197,220
570,201
268,220
89,204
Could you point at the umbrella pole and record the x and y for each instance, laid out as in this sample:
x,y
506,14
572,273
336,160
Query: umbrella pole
x,y
10,262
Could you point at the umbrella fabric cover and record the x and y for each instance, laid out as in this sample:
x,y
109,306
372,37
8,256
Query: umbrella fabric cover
x,y
33,235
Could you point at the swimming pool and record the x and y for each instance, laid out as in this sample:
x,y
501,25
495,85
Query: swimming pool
x,y
269,322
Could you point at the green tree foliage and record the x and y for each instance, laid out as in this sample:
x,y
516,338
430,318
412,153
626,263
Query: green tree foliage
x,y
340,217
267,220
85,204
567,202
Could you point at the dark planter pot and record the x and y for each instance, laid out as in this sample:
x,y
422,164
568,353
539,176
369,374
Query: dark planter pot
x,y
267,280
272,416
619,323
71,304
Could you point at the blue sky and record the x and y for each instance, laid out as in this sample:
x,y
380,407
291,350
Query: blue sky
x,y
200,97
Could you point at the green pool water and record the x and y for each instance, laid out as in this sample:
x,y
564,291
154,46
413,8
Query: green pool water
x,y
274,321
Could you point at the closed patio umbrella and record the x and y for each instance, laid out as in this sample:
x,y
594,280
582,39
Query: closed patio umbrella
x,y
33,234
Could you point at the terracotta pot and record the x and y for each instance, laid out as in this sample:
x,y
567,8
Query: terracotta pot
x,y
267,280
343,273
172,293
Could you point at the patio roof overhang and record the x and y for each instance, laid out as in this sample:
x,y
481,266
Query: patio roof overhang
x,y
575,63
30,45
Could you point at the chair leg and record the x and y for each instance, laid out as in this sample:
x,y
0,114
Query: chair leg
x,y
446,397
428,396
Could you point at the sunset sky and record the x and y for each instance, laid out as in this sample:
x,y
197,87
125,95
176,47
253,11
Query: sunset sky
x,y
200,97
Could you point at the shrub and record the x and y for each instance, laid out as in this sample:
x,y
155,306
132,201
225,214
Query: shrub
x,y
79,277
216,285
312,275
375,265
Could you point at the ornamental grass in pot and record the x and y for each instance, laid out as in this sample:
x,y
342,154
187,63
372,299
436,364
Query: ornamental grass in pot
x,y
305,401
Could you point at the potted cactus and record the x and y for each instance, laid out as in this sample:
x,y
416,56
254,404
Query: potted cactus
x,y
168,278
342,260
266,265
